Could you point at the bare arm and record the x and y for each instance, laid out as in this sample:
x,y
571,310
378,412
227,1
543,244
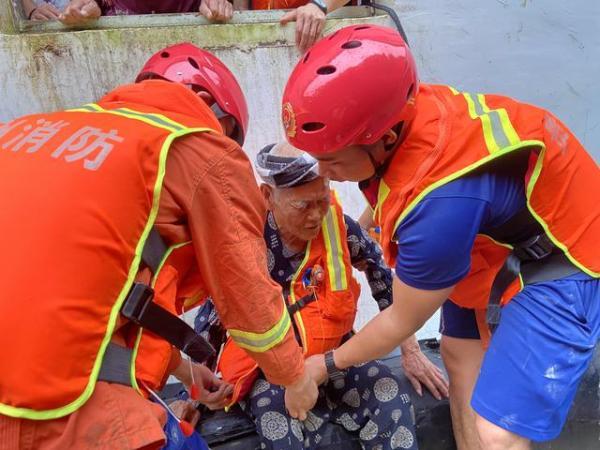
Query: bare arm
x,y
409,311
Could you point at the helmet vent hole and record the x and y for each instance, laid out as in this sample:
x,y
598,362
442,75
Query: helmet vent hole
x,y
326,70
351,44
311,127
165,54
193,63
306,57
362,28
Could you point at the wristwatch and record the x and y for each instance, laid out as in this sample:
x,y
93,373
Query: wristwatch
x,y
333,372
321,4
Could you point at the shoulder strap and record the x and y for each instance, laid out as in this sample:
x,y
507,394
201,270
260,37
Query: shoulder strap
x,y
154,250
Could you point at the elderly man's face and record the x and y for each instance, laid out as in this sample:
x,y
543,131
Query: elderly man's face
x,y
300,210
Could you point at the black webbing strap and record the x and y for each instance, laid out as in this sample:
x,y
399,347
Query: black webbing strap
x,y
505,276
537,260
301,303
141,310
154,250
116,365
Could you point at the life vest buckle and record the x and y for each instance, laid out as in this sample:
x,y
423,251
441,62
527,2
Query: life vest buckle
x,y
535,248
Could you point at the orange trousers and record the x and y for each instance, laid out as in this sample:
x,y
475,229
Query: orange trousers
x,y
114,418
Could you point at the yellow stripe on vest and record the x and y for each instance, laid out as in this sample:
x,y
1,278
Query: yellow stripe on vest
x,y
156,120
498,131
382,194
262,342
293,298
90,107
335,253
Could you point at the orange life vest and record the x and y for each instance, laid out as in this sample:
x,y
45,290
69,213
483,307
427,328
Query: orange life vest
x,y
322,323
84,190
455,133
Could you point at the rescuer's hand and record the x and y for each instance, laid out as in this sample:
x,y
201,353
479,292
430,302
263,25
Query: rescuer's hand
x,y
209,389
79,12
419,370
301,396
310,21
186,411
216,10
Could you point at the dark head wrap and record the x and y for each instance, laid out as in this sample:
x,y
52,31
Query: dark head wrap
x,y
285,171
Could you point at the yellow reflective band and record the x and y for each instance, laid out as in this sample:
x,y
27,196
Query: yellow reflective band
x,y
262,342
157,120
454,91
335,254
382,195
297,315
460,173
153,119
90,107
498,131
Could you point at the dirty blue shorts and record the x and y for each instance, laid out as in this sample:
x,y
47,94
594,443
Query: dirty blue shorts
x,y
458,322
537,356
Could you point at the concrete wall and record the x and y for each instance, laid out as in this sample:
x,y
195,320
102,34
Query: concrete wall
x,y
541,51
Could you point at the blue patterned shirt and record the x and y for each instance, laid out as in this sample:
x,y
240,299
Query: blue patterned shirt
x,y
365,255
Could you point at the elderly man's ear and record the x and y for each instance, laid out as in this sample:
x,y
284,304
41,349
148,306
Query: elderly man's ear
x,y
267,192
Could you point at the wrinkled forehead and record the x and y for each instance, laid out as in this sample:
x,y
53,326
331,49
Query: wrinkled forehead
x,y
315,190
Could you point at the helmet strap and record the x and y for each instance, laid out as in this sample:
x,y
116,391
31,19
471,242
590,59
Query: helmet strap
x,y
378,167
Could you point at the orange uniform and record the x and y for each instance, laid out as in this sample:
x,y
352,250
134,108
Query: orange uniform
x,y
208,181
454,134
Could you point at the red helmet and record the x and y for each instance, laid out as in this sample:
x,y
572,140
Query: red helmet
x,y
350,88
187,64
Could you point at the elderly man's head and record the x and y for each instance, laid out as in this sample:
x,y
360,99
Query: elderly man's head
x,y
295,193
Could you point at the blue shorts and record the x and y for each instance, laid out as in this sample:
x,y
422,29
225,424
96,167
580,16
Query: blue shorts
x,y
537,356
458,322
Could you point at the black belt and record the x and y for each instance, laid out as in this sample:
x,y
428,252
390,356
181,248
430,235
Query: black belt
x,y
536,260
